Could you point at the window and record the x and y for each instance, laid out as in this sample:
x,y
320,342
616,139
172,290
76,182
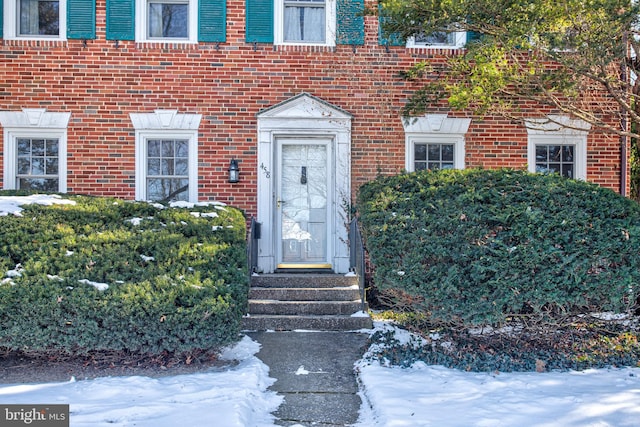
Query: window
x,y
35,154
558,145
433,156
439,39
166,20
435,142
305,22
167,169
38,164
35,19
555,159
166,156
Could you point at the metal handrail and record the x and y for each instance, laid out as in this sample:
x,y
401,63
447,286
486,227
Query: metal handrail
x,y
357,258
252,246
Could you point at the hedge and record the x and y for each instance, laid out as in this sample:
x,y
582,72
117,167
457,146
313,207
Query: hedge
x,y
105,274
476,247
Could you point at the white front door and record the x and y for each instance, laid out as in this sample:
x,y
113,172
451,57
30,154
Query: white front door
x,y
303,196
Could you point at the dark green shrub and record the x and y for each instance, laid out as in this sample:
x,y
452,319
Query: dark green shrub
x,y
177,278
477,247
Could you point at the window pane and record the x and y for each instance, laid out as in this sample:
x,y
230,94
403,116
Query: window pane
x,y
182,167
51,147
51,165
554,153
567,153
39,17
153,147
567,170
554,167
24,147
168,20
434,152
37,147
434,166
182,149
37,166
40,184
420,166
153,166
167,167
24,166
304,21
447,153
167,148
166,189
541,153
420,152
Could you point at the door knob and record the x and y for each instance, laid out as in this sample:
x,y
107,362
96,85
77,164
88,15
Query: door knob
x,y
279,202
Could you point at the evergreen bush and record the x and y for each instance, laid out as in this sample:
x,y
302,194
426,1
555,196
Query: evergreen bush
x,y
477,247
111,275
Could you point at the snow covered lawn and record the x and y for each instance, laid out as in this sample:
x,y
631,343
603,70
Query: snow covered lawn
x,y
235,397
418,396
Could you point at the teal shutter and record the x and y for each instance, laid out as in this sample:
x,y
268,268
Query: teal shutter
x,y
473,36
121,18
259,21
1,20
350,16
212,20
384,38
81,19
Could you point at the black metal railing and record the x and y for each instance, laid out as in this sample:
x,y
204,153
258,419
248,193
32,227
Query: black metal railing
x,y
356,250
252,246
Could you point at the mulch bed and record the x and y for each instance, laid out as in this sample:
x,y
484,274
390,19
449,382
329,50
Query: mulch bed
x,y
19,367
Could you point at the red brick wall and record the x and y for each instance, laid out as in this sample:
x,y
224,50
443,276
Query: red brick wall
x,y
100,83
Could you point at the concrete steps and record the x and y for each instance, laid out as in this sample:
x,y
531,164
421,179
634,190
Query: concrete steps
x,y
305,301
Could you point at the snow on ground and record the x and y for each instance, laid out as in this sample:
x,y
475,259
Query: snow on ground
x,y
425,395
234,397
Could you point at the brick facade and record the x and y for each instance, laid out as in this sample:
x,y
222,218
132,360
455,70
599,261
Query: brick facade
x,y
100,82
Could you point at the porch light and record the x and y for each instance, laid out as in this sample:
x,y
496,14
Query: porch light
x,y
234,171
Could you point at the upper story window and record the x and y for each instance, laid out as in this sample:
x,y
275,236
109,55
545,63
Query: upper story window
x,y
35,150
167,20
439,39
558,145
35,19
435,142
305,22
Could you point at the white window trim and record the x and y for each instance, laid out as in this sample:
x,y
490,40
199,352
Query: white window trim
x,y
30,123
165,124
435,129
559,130
330,30
142,25
460,38
10,22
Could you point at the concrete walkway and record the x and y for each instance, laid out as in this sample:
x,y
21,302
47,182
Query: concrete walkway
x,y
314,372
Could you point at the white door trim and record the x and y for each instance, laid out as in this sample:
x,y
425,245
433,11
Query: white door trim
x,y
304,116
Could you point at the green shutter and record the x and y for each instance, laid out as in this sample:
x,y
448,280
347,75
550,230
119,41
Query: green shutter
x,y
212,20
81,19
1,20
121,17
350,22
384,38
259,21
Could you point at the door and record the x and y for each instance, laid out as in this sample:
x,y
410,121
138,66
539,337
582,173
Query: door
x,y
302,202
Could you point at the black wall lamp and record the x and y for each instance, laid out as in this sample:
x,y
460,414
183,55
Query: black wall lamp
x,y
234,171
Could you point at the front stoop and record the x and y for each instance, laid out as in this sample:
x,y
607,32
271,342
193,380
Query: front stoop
x,y
286,302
